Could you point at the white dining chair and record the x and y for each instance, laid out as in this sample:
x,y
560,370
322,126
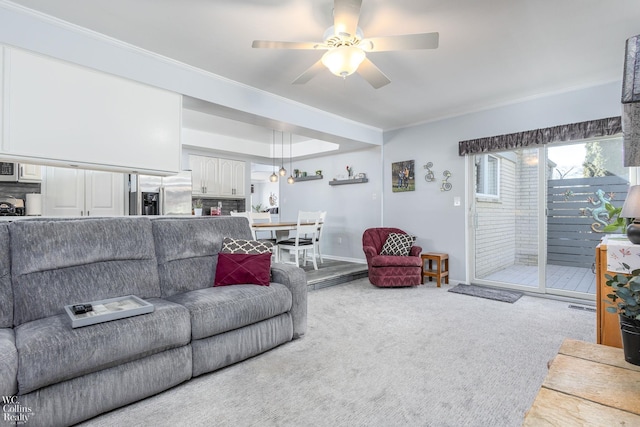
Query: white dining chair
x,y
264,217
318,239
248,216
305,238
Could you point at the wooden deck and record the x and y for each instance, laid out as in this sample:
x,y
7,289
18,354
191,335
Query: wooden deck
x,y
576,279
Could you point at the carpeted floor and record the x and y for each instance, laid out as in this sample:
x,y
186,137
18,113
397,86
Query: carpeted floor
x,y
382,357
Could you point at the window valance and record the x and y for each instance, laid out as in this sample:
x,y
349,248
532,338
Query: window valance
x,y
531,138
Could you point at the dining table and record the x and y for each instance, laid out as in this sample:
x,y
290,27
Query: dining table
x,y
281,228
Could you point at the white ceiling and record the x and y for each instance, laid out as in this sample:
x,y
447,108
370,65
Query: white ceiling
x,y
491,52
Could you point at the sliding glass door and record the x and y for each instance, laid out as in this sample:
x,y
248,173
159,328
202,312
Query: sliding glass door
x,y
538,214
505,217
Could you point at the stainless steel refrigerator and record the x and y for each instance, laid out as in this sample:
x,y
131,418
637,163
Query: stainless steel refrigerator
x,y
155,195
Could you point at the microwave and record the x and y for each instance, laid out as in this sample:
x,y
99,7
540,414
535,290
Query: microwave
x,y
9,172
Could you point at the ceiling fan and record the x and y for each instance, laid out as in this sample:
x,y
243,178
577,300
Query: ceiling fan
x,y
346,48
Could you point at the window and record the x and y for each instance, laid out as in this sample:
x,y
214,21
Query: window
x,y
487,175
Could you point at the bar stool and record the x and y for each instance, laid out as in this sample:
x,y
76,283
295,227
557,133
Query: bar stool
x,y
440,272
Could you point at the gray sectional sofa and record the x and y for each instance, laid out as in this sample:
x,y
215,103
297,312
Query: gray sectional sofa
x,y
53,375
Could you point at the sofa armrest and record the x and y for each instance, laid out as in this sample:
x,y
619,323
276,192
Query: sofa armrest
x,y
295,279
415,251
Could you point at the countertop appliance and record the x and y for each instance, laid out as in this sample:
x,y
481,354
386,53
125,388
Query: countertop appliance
x,y
11,206
155,195
8,172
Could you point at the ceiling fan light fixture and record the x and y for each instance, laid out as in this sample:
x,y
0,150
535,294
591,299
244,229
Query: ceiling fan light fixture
x,y
343,60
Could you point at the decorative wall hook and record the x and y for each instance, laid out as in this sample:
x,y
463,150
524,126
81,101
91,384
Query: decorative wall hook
x,y
446,185
429,176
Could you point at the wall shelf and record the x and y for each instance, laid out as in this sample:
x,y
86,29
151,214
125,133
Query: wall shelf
x,y
348,181
307,178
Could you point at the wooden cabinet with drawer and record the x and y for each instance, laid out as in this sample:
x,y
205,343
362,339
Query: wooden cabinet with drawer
x,y
607,324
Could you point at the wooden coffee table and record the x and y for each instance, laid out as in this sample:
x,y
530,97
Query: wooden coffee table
x,y
588,385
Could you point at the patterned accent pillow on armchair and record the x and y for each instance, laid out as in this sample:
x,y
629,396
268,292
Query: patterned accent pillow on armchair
x,y
398,244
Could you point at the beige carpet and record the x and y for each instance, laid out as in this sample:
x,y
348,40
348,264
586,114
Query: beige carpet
x,y
382,357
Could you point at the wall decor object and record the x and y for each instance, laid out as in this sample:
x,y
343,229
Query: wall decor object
x,y
446,185
348,181
429,176
631,102
308,178
403,176
350,171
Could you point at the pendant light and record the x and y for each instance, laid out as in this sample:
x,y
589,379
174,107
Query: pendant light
x,y
282,170
290,180
273,177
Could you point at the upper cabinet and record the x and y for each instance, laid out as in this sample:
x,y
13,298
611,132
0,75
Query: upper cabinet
x,y
57,111
232,174
204,175
29,173
213,177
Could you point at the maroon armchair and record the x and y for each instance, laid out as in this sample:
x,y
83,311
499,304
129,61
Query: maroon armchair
x,y
390,270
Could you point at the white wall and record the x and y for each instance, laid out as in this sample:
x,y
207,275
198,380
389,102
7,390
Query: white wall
x,y
350,208
428,212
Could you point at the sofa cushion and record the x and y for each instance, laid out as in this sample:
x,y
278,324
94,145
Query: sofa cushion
x,y
238,269
6,293
398,244
187,249
221,309
50,351
8,363
70,402
60,262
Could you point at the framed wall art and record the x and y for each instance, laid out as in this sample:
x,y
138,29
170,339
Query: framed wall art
x,y
403,176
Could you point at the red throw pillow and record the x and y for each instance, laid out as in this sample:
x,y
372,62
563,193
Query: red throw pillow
x,y
239,269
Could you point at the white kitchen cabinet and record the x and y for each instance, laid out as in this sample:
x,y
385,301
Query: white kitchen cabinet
x,y
29,173
214,177
204,175
76,192
232,178
62,112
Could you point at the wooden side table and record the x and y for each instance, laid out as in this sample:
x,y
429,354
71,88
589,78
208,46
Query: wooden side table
x,y
440,272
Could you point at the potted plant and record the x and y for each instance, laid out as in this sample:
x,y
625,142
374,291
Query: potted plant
x,y
626,298
197,207
616,224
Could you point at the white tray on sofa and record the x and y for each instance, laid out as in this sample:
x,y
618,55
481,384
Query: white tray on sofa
x,y
109,309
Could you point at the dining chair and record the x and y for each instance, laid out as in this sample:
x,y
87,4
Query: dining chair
x,y
305,238
248,216
318,239
262,217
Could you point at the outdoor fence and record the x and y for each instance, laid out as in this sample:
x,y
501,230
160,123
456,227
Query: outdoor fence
x,y
575,214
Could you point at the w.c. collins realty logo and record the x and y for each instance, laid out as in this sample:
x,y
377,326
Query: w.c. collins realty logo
x,y
14,412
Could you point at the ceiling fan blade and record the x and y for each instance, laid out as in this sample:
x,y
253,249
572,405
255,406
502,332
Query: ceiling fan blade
x,y
266,44
403,42
310,73
372,74
346,14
